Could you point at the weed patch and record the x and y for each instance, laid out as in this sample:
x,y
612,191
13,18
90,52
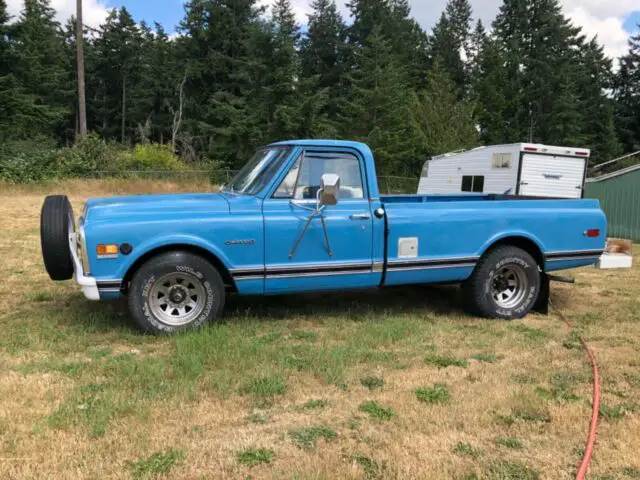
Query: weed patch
x,y
315,404
376,410
370,467
509,442
255,456
466,449
372,382
439,394
306,438
486,357
511,471
159,463
265,386
445,361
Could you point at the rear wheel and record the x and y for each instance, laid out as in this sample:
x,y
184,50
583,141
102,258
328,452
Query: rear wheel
x,y
505,284
176,291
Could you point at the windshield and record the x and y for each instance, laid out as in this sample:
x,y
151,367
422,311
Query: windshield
x,y
258,171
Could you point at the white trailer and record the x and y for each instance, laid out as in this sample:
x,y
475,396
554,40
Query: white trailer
x,y
519,169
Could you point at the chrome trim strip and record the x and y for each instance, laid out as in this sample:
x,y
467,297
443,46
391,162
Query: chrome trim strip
x,y
441,260
574,258
576,253
319,274
432,267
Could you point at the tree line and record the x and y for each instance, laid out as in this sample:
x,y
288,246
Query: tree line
x,y
238,76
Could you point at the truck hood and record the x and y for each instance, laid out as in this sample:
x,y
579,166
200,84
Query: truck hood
x,y
154,206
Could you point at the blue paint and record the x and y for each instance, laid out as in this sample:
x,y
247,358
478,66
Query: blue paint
x,y
252,236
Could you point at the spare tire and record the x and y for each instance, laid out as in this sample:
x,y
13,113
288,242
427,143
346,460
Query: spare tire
x,y
56,222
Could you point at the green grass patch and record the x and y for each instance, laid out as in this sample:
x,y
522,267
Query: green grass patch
x,y
531,333
377,410
304,335
523,379
616,412
631,472
372,382
508,470
522,416
307,438
632,378
315,404
467,450
486,357
257,418
445,361
41,296
439,394
510,442
370,467
556,394
255,456
264,386
158,464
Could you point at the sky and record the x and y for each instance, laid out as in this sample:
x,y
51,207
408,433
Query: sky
x,y
613,21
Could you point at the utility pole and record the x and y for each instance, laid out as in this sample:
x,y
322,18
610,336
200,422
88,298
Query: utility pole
x,y
82,100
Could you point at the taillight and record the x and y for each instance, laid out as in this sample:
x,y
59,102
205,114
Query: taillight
x,y
592,233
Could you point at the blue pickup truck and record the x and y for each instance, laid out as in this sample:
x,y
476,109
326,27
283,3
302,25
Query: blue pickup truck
x,y
307,216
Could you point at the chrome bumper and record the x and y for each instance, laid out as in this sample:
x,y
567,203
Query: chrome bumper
x,y
87,284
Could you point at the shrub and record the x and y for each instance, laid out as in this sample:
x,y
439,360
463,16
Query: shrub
x,y
149,157
28,161
87,156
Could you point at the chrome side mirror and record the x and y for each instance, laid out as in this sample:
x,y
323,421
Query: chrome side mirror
x,y
329,189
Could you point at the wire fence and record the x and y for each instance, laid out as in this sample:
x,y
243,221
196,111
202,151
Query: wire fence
x,y
386,184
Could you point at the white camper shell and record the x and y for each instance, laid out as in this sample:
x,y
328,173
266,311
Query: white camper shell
x,y
518,169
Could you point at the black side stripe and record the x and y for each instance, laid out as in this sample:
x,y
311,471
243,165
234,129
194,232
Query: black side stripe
x,y
572,255
354,268
440,263
110,285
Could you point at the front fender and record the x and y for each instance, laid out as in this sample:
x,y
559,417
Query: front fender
x,y
164,241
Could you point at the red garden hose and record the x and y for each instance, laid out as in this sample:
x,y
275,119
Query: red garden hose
x,y
591,439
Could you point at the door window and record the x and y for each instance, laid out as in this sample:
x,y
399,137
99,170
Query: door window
x,y
303,180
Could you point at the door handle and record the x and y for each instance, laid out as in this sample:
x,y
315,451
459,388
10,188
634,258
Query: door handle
x,y
360,216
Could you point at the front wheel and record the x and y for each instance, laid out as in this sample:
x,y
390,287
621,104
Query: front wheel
x,y
505,284
175,291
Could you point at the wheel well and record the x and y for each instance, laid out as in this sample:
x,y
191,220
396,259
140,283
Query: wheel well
x,y
206,254
525,244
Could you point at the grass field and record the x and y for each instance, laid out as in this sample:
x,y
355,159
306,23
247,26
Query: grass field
x,y
385,384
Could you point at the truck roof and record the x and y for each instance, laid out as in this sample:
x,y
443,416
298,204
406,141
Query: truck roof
x,y
324,143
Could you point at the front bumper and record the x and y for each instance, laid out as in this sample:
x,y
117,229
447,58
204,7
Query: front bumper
x,y
88,285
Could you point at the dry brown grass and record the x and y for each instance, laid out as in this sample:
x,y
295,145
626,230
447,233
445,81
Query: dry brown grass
x,y
76,403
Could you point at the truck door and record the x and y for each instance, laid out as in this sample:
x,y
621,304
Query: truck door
x,y
340,259
552,176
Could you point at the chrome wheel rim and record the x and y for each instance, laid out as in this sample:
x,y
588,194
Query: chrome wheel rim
x,y
509,286
177,299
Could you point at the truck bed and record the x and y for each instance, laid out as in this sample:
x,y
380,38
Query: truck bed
x,y
451,232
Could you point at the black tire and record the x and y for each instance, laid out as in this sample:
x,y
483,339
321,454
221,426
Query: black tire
x,y
150,281
56,221
487,292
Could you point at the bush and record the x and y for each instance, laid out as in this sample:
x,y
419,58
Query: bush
x,y
28,161
87,156
150,157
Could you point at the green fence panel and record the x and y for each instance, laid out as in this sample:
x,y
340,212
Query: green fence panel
x,y
620,199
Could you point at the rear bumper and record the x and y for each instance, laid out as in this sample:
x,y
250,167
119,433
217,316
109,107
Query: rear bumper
x,y
88,285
